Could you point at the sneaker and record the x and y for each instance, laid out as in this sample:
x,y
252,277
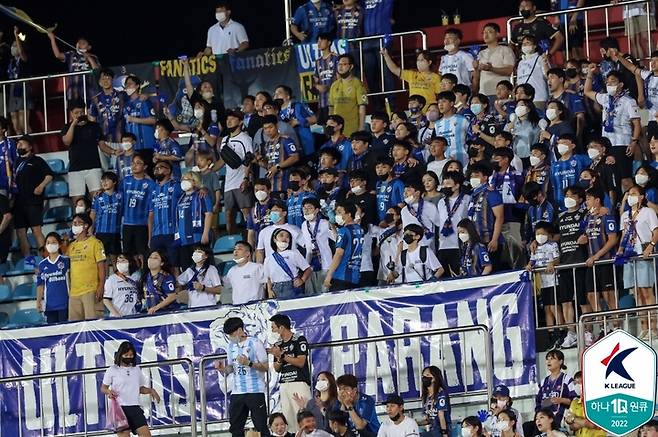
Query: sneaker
x,y
570,341
589,339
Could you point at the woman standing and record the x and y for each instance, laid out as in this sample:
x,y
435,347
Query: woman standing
x,y
474,256
202,280
283,267
436,404
122,288
53,280
159,284
125,381
193,218
524,125
431,185
422,81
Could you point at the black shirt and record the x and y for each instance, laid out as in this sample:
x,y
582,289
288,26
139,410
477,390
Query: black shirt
x,y
382,145
83,151
255,123
295,347
29,173
5,237
368,204
539,28
570,226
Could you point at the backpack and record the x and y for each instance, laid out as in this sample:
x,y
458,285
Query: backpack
x,y
423,259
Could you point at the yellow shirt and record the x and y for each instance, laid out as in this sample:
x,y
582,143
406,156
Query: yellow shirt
x,y
578,410
424,84
84,256
345,97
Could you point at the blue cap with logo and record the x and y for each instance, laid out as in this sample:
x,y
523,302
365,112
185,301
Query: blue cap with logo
x,y
501,390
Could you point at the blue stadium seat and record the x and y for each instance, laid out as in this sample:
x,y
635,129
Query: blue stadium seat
x,y
4,268
221,218
225,267
4,319
5,292
25,318
226,243
57,188
25,291
58,214
25,265
57,166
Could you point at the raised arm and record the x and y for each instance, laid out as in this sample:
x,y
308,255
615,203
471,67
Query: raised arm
x,y
55,48
390,63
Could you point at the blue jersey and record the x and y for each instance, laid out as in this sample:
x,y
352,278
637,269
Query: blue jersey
x,y
574,102
300,112
158,288
164,200
350,239
480,211
246,379
326,70
560,387
8,157
190,217
388,194
107,110
313,21
144,132
109,210
136,200
432,406
169,147
295,213
455,130
365,408
349,22
565,174
598,229
344,146
53,276
544,212
275,153
377,16
474,259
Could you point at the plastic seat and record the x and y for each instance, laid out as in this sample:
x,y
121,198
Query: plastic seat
x,y
5,292
56,165
26,318
221,218
25,265
4,319
58,214
226,243
25,291
225,267
57,188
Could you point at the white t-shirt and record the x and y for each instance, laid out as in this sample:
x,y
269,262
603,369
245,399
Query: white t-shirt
x,y
645,222
209,278
626,109
499,56
366,251
122,293
265,237
437,167
322,239
247,282
451,241
429,215
413,268
652,92
241,144
460,64
296,262
407,428
221,39
388,250
125,381
536,77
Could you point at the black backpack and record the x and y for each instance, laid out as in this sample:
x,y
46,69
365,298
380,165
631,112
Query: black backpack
x,y
423,259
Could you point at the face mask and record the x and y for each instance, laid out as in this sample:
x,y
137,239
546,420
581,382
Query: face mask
x,y
198,114
79,209
329,130
77,230
466,432
447,191
449,47
414,110
503,426
571,72
409,199
126,146
357,217
584,183
261,195
534,160
207,95
275,216
357,190
186,185
322,385
123,267
282,245
159,177
528,50
464,237
476,108
578,388
197,257
155,135
293,185
432,115
525,13
520,111
239,260
153,263
569,202
593,153
427,381
472,152
541,239
551,114
562,148
633,200
128,361
340,221
52,248
389,218
641,179
611,89
382,177
585,70
475,182
220,16
130,91
21,152
309,217
408,238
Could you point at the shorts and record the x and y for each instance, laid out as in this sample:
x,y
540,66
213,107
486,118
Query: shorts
x,y
566,287
111,243
135,239
27,216
15,98
135,416
577,38
89,178
605,278
623,163
646,275
167,244
236,199
638,24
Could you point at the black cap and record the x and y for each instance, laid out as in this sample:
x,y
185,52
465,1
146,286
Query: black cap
x,y
394,399
235,113
328,170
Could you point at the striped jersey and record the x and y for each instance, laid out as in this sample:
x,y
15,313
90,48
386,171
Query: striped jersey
x,y
480,211
326,69
295,213
169,147
53,277
136,200
108,209
144,132
565,173
190,218
598,228
275,153
455,129
349,22
247,379
164,199
8,157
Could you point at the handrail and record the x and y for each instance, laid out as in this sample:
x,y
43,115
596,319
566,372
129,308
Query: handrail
x,y
202,391
48,76
596,263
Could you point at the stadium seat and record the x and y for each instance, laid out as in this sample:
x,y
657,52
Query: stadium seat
x,y
226,243
57,166
26,318
5,292
4,268
4,319
57,188
25,265
58,214
25,291
225,267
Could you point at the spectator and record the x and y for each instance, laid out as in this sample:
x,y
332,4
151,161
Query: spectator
x,y
456,61
162,212
247,361
575,418
547,424
575,106
539,209
298,193
207,108
337,140
277,218
436,403
539,170
312,19
349,20
639,20
330,190
610,53
495,63
437,147
416,258
484,125
533,68
87,272
541,29
278,155
5,228
246,278
502,403
381,140
194,212
417,109
80,60
316,235
84,138
139,117
259,217
558,115
566,170
344,271
308,426
348,96
425,133
487,213
225,36
422,81
326,70
475,260
462,96
125,155
159,284
367,275
285,130
507,421
299,116
31,175
19,105
504,104
472,427
248,110
256,122
361,176
649,79
8,156
339,423
279,425
52,280
431,185
106,213
454,128
120,383
389,236
448,82
282,267
106,107
136,193
598,151
452,208
166,148
397,423
121,296
389,189
363,419
201,280
324,401
210,181
291,362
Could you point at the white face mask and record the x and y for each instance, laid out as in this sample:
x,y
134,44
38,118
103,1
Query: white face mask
x,y
52,247
186,185
220,16
476,108
641,179
198,113
503,425
77,230
155,135
309,217
239,260
197,257
464,237
261,195
541,239
527,50
410,199
569,202
340,221
449,47
475,182
123,267
466,432
562,148
578,388
534,160
282,245
126,146
632,200
551,114
153,263
520,111
593,153
196,168
130,91
611,89
357,190
79,209
322,385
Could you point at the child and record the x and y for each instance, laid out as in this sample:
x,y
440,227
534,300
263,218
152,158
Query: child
x,y
210,181
202,280
283,266
438,159
416,263
316,233
125,155
53,282
474,256
416,105
504,104
106,213
122,288
167,149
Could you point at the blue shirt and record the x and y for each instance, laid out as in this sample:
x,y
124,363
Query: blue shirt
x,y
276,153
365,408
350,239
295,213
455,129
344,146
124,166
561,387
164,199
312,21
480,211
300,112
598,228
326,70
574,102
144,132
377,16
169,147
53,277
388,194
544,212
107,110
8,157
158,289
191,215
565,174
136,200
109,210
474,259
432,406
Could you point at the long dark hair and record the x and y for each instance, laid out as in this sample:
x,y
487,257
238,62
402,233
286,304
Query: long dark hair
x,y
475,423
333,390
438,385
207,120
209,255
472,232
125,347
132,265
532,111
166,268
447,164
512,417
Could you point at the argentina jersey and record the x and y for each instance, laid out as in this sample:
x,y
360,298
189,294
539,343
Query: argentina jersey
x,y
108,209
246,379
163,206
53,277
455,130
136,200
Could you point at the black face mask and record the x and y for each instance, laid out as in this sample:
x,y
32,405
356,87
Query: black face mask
x,y
526,13
495,165
388,218
329,130
234,128
395,418
473,152
159,177
427,381
447,191
571,72
128,361
408,238
382,177
293,185
22,152
327,186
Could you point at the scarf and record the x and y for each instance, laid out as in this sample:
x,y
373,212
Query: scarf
x,y
419,216
153,289
628,242
315,253
479,202
508,184
609,122
447,229
356,163
647,81
195,276
195,211
387,233
283,264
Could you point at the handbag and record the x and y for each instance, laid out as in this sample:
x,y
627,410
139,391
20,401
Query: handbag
x,y
116,419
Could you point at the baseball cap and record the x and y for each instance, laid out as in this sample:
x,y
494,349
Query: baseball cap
x,y
501,390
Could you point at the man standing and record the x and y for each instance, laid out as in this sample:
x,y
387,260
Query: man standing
x,y
453,127
572,101
457,62
139,118
246,359
311,19
537,27
326,70
345,269
279,154
397,423
495,63
291,361
225,36
106,107
162,212
348,96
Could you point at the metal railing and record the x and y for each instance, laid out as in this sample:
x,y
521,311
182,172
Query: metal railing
x,y
60,409
563,15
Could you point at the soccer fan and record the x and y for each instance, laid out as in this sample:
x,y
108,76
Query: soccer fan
x,y
52,280
106,213
344,271
121,295
193,215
